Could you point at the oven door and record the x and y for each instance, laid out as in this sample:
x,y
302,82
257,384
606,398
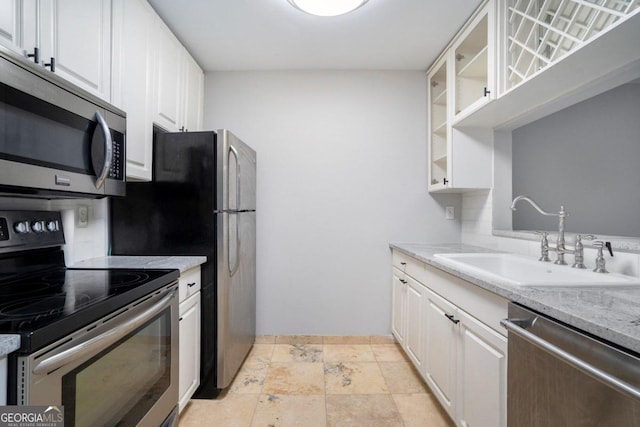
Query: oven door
x,y
121,370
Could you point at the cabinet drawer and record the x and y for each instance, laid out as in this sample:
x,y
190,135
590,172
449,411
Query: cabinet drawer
x,y
189,283
409,265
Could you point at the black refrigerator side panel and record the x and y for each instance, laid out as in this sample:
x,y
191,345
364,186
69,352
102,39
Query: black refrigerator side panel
x,y
174,215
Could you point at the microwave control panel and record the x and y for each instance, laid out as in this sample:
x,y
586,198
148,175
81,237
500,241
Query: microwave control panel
x,y
117,163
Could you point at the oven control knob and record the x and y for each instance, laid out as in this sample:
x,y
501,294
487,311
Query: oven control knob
x,y
38,226
21,227
52,225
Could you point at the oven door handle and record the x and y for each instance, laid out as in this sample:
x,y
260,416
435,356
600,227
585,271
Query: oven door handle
x,y
594,372
102,341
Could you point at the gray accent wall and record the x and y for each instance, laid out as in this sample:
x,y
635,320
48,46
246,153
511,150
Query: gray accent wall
x,y
587,158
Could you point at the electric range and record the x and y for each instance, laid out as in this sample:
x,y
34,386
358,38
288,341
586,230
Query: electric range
x,y
102,344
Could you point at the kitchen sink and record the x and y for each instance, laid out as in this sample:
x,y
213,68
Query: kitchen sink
x,y
519,270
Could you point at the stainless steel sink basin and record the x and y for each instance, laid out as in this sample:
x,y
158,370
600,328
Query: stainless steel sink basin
x,y
519,270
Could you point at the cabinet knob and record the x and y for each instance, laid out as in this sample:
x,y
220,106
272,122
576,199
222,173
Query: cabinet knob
x,y
403,281
35,55
52,65
486,92
445,181
191,284
403,263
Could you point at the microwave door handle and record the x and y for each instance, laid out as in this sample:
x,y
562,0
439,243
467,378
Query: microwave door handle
x,y
108,150
102,341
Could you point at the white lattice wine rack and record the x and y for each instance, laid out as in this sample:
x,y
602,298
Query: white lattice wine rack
x,y
542,31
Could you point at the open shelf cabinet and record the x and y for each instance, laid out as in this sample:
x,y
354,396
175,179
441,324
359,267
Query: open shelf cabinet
x,y
438,96
540,32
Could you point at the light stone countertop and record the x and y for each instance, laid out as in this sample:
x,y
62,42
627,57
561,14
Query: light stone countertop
x,y
182,263
610,313
9,344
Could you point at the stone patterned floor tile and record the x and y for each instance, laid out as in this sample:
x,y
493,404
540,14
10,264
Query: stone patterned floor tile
x,y
294,378
375,410
279,410
298,339
401,377
231,410
260,353
388,353
354,378
421,410
349,353
250,378
346,339
265,339
383,339
311,353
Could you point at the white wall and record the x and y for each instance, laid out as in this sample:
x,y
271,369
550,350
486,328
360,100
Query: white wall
x,y
341,173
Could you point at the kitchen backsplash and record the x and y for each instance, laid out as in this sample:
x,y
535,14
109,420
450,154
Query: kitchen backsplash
x,y
82,241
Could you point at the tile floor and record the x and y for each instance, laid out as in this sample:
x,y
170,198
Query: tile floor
x,y
316,381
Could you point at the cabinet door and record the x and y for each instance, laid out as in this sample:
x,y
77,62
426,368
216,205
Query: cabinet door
x,y
193,93
439,128
398,297
482,375
189,370
168,82
415,321
474,65
133,28
440,353
10,24
77,33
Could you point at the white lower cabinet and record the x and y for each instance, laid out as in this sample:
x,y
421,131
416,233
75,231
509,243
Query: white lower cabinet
x,y
189,333
440,350
450,330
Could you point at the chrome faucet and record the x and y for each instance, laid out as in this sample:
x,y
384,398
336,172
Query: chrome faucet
x,y
560,248
578,251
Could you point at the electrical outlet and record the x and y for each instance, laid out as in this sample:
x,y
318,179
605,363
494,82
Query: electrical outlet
x,y
82,216
449,212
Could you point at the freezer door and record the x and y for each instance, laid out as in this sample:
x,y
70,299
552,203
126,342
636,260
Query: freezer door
x,y
236,292
236,174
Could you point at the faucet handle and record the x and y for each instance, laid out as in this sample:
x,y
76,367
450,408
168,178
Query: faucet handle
x,y
544,246
600,245
585,237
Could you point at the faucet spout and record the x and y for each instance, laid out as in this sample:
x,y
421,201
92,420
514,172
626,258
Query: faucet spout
x,y
560,246
534,204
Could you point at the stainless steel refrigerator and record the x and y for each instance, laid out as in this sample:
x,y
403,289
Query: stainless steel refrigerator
x,y
201,201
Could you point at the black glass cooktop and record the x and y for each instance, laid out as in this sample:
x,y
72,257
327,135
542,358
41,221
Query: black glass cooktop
x,y
46,305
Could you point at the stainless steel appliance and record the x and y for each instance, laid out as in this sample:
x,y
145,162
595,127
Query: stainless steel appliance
x,y
101,343
201,201
56,140
560,376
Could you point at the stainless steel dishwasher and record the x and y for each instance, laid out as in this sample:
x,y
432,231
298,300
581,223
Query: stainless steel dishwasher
x,y
560,376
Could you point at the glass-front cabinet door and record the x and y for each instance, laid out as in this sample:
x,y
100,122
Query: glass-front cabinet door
x,y
472,63
439,128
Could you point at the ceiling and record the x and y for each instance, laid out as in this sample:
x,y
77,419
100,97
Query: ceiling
x,y
272,35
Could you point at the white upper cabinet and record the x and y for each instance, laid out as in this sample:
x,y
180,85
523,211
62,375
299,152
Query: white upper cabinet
x,y
193,95
168,88
11,25
474,64
77,35
155,81
179,85
133,29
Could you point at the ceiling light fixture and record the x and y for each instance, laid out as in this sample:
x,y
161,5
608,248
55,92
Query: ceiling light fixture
x,y
327,7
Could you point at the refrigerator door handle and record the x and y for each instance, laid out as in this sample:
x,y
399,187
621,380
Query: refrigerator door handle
x,y
233,268
233,150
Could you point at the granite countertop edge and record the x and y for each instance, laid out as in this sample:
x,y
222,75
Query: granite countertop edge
x,y
9,343
612,322
182,263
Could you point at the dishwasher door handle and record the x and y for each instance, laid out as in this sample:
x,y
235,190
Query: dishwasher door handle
x,y
587,368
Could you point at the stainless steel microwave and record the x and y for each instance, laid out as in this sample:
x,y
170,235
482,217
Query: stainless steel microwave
x,y
56,140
